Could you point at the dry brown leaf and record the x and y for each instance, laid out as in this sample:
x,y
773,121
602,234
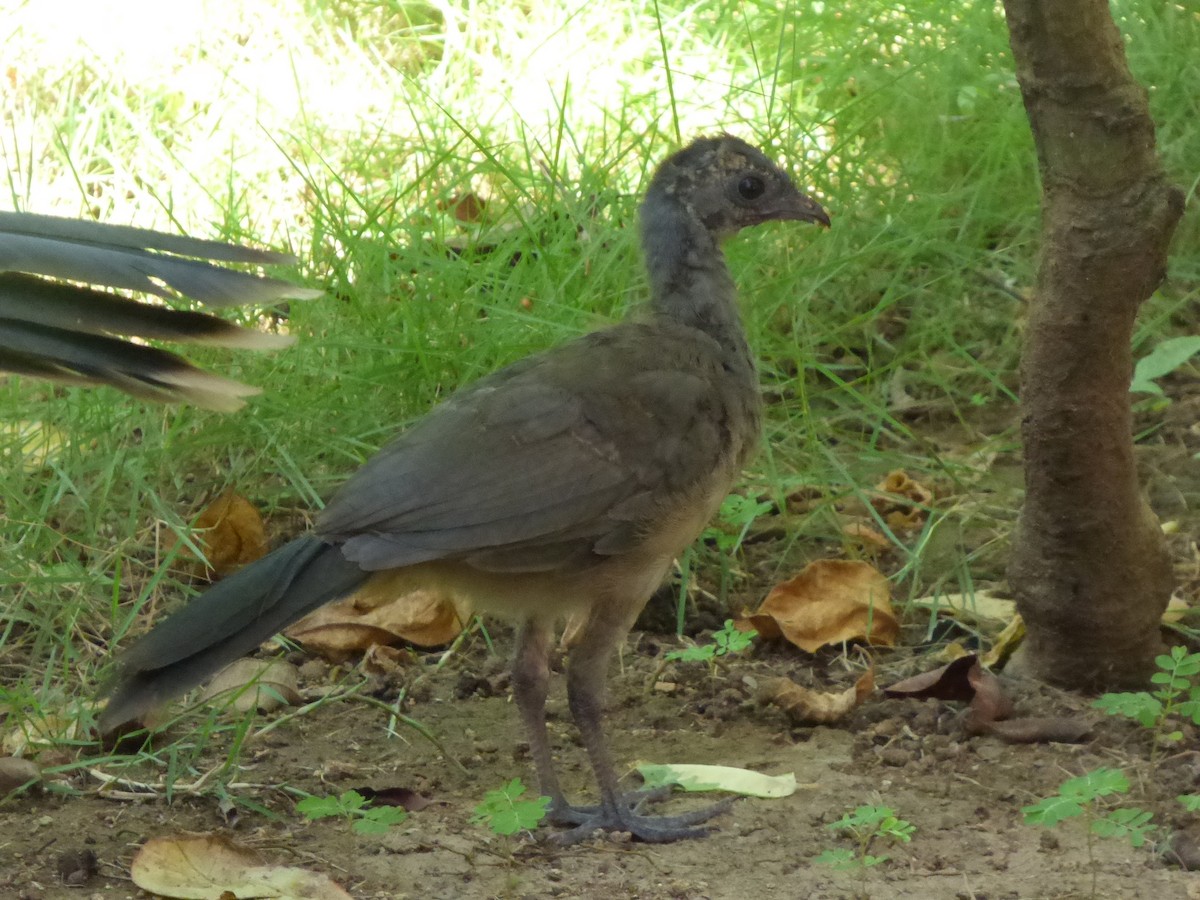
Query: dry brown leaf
x,y
948,682
264,684
231,533
381,659
402,798
869,537
208,866
468,207
990,704
806,706
908,504
381,613
830,601
15,773
1037,730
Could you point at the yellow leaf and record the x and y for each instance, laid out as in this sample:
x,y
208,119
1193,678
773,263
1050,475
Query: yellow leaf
x,y
203,866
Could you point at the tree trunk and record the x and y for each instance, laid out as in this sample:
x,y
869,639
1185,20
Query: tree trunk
x,y
1089,568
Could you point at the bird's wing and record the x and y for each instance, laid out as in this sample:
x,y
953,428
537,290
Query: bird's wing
x,y
566,453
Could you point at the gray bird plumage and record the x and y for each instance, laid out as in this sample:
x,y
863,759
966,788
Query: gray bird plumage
x,y
564,484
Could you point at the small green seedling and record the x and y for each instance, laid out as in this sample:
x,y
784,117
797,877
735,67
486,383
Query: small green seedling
x,y
1177,697
506,813
353,806
734,518
866,825
726,641
1077,797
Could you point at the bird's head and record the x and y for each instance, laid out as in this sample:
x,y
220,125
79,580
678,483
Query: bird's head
x,y
727,185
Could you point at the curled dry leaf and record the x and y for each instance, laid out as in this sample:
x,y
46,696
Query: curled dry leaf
x,y
204,866
966,680
231,533
806,706
263,684
381,613
990,704
1005,643
403,798
908,504
1039,729
948,682
830,601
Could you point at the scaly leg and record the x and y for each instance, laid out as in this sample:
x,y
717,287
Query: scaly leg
x,y
588,665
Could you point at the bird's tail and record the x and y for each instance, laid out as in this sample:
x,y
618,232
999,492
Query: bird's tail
x,y
51,326
227,622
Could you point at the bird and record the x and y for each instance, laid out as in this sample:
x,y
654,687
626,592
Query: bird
x,y
563,485
55,324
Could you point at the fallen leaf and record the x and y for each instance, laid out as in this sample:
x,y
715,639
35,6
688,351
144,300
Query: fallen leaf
x,y
404,798
209,866
36,733
830,601
468,207
718,778
990,704
1035,730
806,706
35,443
262,684
869,537
908,504
974,607
1177,609
16,773
948,682
382,659
1005,643
383,611
231,533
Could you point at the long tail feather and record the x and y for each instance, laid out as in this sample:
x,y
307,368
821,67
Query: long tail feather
x,y
227,622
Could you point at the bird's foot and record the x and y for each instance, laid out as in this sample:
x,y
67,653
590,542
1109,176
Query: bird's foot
x,y
626,816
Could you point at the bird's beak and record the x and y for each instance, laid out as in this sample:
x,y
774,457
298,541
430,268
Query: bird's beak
x,y
798,207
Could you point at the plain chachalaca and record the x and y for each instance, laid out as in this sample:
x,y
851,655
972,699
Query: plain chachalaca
x,y
52,328
562,485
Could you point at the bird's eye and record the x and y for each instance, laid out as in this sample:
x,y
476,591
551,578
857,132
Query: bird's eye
x,y
751,187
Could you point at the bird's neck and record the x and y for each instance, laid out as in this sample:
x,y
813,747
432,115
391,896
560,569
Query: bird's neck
x,y
689,279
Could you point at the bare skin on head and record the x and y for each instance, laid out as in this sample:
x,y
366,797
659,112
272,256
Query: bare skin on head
x,y
564,484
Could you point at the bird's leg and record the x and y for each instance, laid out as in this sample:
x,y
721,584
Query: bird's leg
x,y
586,671
530,680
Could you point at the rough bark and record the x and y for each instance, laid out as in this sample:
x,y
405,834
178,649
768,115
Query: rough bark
x,y
1089,567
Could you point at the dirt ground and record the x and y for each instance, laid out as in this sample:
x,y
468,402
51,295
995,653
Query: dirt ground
x,y
963,793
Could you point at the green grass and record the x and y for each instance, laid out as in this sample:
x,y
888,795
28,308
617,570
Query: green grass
x,y
342,130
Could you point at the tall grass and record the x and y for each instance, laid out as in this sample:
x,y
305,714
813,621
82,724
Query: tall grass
x,y
348,132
